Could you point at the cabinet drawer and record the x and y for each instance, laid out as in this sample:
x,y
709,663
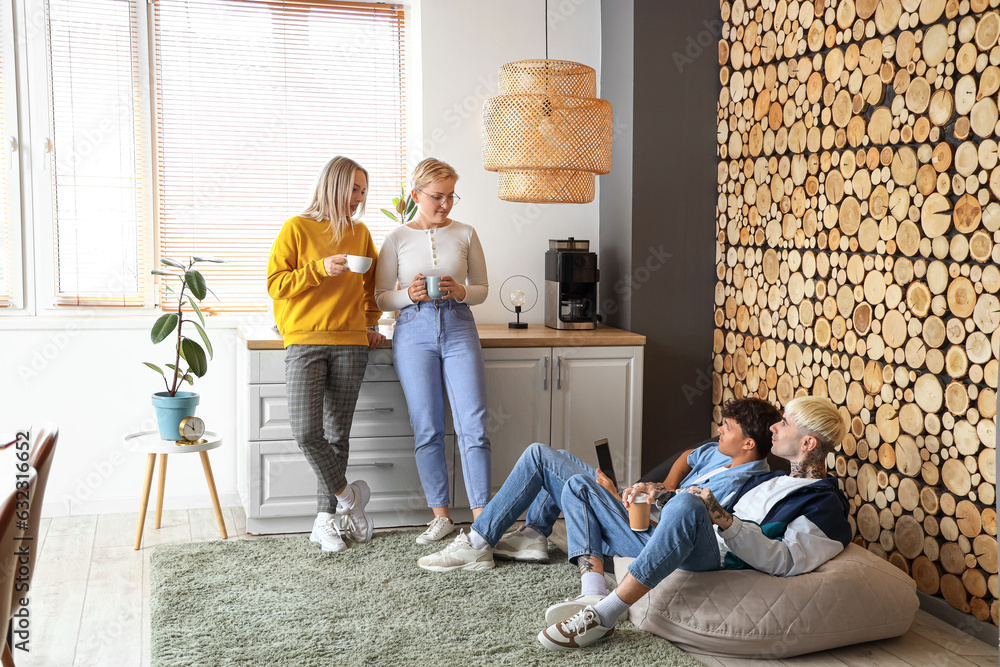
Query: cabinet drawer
x,y
268,367
286,485
380,411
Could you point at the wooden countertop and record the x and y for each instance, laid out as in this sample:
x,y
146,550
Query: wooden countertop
x,y
491,335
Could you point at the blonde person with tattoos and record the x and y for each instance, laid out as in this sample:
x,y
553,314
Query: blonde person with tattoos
x,y
779,523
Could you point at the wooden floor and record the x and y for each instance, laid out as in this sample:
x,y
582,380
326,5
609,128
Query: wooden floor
x,y
90,601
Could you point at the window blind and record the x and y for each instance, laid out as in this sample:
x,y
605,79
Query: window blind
x,y
95,153
254,96
6,169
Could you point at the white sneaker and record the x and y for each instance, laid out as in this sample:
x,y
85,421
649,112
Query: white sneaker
x,y
517,546
327,533
570,607
353,521
459,555
579,631
439,527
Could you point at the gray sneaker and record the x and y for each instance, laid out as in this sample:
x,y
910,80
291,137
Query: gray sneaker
x,y
459,555
353,522
517,546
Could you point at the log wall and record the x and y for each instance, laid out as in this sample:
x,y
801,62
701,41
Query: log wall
x,y
858,243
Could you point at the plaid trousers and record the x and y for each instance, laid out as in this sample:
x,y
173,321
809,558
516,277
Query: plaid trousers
x,y
323,382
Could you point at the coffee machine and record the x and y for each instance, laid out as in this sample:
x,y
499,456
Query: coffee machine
x,y
571,277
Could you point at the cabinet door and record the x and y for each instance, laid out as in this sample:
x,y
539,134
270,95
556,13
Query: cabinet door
x,y
597,393
518,386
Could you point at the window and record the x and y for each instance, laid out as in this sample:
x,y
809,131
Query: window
x,y
254,96
170,128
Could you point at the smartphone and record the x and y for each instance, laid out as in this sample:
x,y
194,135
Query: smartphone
x,y
604,460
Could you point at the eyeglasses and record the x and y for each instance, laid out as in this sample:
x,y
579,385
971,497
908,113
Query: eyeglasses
x,y
450,200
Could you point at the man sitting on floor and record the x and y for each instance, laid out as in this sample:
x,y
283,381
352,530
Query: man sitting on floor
x,y
539,477
780,523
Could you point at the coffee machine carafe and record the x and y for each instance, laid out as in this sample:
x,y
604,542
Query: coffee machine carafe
x,y
571,277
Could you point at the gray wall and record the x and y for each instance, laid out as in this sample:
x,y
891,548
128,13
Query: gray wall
x,y
666,290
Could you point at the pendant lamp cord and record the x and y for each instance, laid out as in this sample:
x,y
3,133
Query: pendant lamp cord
x,y
546,29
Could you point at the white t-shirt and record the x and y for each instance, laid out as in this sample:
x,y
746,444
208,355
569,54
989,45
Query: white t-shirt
x,y
453,250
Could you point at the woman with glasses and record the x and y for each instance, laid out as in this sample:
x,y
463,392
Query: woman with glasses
x,y
436,346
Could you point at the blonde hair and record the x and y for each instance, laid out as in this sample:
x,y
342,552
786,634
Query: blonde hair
x,y
429,170
818,416
331,197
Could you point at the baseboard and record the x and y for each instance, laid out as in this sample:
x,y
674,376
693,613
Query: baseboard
x,y
56,507
967,623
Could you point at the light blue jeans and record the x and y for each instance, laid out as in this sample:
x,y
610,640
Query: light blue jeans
x,y
597,524
535,484
436,348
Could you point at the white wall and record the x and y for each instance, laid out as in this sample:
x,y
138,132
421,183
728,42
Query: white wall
x,y
85,374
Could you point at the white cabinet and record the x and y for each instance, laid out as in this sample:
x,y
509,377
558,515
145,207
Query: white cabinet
x,y
566,397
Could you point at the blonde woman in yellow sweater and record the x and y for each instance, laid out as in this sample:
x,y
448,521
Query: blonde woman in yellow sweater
x,y
328,319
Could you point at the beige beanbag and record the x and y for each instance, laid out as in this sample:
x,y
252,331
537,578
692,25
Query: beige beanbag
x,y
855,597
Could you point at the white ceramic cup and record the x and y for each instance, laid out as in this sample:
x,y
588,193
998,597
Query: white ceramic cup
x,y
359,263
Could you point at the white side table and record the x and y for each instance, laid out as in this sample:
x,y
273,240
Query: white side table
x,y
152,444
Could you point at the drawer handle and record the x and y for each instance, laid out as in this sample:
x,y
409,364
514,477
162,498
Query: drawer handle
x,y
545,375
375,410
369,465
381,365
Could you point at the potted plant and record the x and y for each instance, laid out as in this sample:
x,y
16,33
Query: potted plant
x,y
173,405
403,206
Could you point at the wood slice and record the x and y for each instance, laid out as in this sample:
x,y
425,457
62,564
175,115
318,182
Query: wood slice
x,y
941,157
954,593
934,331
909,536
850,216
984,117
928,393
908,459
904,166
967,158
985,549
968,214
987,403
845,14
956,362
987,31
887,15
935,215
979,607
952,558
941,107
935,45
977,346
989,82
965,97
930,473
929,500
931,10
880,124
926,179
873,377
843,109
866,8
908,494
986,314
867,482
988,465
967,516
918,299
908,238
911,419
926,574
961,297
956,398
900,562
868,523
956,477
965,60
918,95
980,246
975,582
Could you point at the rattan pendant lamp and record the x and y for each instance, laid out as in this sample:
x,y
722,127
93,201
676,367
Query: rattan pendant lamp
x,y
547,133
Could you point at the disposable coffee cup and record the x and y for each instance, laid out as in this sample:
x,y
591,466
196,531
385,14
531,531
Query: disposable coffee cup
x,y
434,290
638,513
358,263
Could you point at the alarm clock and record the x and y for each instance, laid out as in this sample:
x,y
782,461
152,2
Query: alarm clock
x,y
191,430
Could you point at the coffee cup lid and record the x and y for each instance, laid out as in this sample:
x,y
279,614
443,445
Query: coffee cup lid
x,y
640,498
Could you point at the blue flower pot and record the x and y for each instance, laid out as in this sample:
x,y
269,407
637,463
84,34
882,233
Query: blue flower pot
x,y
171,410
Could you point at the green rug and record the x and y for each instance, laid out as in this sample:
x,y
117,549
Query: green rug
x,y
277,602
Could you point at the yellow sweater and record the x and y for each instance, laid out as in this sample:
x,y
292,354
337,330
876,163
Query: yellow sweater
x,y
310,307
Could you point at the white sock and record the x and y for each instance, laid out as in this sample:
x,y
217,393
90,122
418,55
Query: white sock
x,y
610,609
592,583
323,517
530,532
477,541
346,497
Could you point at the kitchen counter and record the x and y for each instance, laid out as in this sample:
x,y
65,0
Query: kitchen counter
x,y
490,335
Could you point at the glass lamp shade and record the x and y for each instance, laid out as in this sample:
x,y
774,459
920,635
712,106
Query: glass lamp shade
x,y
546,133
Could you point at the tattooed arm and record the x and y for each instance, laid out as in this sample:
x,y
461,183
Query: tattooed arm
x,y
659,492
720,517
